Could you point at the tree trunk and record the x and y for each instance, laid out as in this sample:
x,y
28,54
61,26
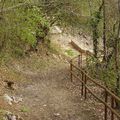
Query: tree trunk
x,y
117,90
104,32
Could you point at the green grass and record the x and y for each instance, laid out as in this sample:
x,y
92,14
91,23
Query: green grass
x,y
70,52
55,48
25,109
2,113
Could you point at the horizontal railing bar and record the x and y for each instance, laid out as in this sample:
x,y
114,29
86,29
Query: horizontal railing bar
x,y
78,56
77,77
79,49
75,57
94,81
111,109
91,79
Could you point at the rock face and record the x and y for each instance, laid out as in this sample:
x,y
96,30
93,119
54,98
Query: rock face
x,y
11,116
55,30
8,99
84,41
12,99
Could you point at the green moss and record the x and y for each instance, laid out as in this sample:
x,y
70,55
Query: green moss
x,y
2,113
70,52
25,109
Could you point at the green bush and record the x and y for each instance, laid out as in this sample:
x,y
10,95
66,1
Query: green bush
x,y
24,27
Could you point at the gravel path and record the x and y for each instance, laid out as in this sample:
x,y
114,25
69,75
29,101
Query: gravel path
x,y
49,95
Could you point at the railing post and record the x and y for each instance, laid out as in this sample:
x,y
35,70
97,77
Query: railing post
x,y
82,84
106,100
85,86
112,105
71,69
86,59
81,60
79,63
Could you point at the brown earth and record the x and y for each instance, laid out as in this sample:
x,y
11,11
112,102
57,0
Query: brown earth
x,y
48,94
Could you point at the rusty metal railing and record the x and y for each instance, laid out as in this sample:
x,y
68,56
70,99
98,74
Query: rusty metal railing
x,y
85,90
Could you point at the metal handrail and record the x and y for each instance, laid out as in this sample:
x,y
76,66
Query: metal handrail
x,y
85,78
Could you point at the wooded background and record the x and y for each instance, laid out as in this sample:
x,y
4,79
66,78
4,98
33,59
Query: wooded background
x,y
25,23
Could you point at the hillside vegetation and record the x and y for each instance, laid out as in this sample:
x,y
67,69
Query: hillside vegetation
x,y
25,25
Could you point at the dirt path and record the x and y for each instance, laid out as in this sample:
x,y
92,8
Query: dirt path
x,y
49,95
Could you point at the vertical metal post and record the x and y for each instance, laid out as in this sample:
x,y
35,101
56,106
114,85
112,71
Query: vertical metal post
x,y
85,87
86,59
82,83
106,100
79,63
112,105
81,60
71,69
